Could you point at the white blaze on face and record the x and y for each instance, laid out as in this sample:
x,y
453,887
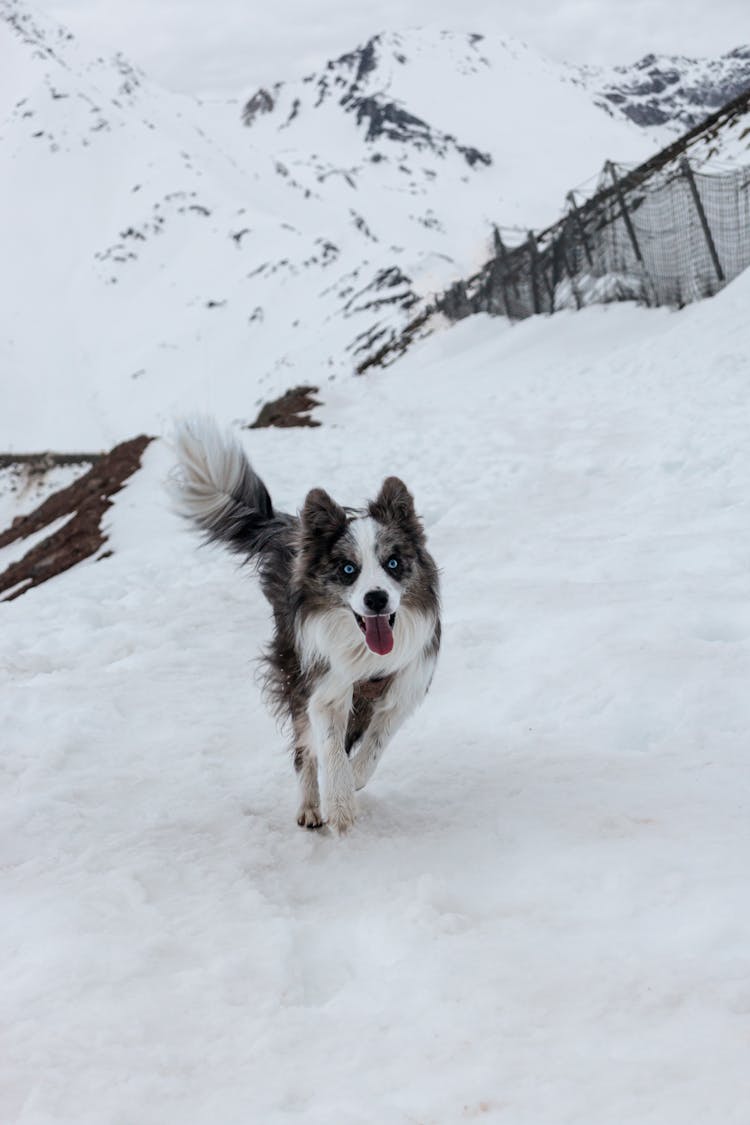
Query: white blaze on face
x,y
372,579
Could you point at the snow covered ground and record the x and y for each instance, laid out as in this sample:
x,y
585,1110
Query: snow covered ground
x,y
541,916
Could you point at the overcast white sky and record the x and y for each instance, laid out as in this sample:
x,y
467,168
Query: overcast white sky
x,y
232,46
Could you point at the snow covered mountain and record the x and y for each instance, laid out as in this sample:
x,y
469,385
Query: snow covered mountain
x,y
448,127
670,90
150,240
161,255
141,256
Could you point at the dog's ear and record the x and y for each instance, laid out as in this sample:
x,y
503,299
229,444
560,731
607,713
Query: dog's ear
x,y
395,504
321,515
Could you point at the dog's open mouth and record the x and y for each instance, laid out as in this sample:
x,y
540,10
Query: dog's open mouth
x,y
378,631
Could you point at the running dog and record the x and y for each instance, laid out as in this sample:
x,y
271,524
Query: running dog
x,y
356,611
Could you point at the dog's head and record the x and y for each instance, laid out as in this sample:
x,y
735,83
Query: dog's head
x,y
371,562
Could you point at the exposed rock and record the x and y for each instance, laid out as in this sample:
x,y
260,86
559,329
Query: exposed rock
x,y
85,502
672,89
363,59
292,409
349,79
261,102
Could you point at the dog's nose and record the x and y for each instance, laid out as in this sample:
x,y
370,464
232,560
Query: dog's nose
x,y
376,600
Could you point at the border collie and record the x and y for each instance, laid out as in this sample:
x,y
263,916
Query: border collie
x,y
355,602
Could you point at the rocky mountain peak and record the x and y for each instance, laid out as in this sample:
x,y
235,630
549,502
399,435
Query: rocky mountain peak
x,y
671,90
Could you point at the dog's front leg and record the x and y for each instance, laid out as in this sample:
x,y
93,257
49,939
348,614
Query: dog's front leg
x,y
405,693
329,714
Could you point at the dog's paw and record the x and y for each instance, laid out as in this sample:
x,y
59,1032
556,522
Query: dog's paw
x,y
309,817
341,815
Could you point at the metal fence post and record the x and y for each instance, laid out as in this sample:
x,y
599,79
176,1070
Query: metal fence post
x,y
630,228
581,228
687,172
536,269
500,269
502,253
534,256
624,210
562,250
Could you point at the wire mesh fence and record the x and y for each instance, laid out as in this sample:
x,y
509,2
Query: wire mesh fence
x,y
662,234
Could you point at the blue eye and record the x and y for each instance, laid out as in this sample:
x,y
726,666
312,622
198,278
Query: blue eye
x,y
348,568
392,563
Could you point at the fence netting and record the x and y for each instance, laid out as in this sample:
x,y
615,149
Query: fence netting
x,y
661,236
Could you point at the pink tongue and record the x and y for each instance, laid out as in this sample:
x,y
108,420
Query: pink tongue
x,y
378,634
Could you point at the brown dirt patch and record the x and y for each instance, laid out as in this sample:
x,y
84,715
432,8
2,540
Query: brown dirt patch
x,y
85,501
292,409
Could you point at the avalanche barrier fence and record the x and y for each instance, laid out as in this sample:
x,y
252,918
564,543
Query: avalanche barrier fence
x,y
662,234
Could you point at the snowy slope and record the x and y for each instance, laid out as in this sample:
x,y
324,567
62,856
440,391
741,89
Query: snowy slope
x,y
541,916
159,255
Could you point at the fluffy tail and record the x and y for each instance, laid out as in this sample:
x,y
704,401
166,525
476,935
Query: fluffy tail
x,y
215,486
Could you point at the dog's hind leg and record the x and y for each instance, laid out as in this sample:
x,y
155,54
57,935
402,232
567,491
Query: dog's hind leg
x,y
385,722
306,765
403,695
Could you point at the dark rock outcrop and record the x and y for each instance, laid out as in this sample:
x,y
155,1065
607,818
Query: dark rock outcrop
x,y
84,502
